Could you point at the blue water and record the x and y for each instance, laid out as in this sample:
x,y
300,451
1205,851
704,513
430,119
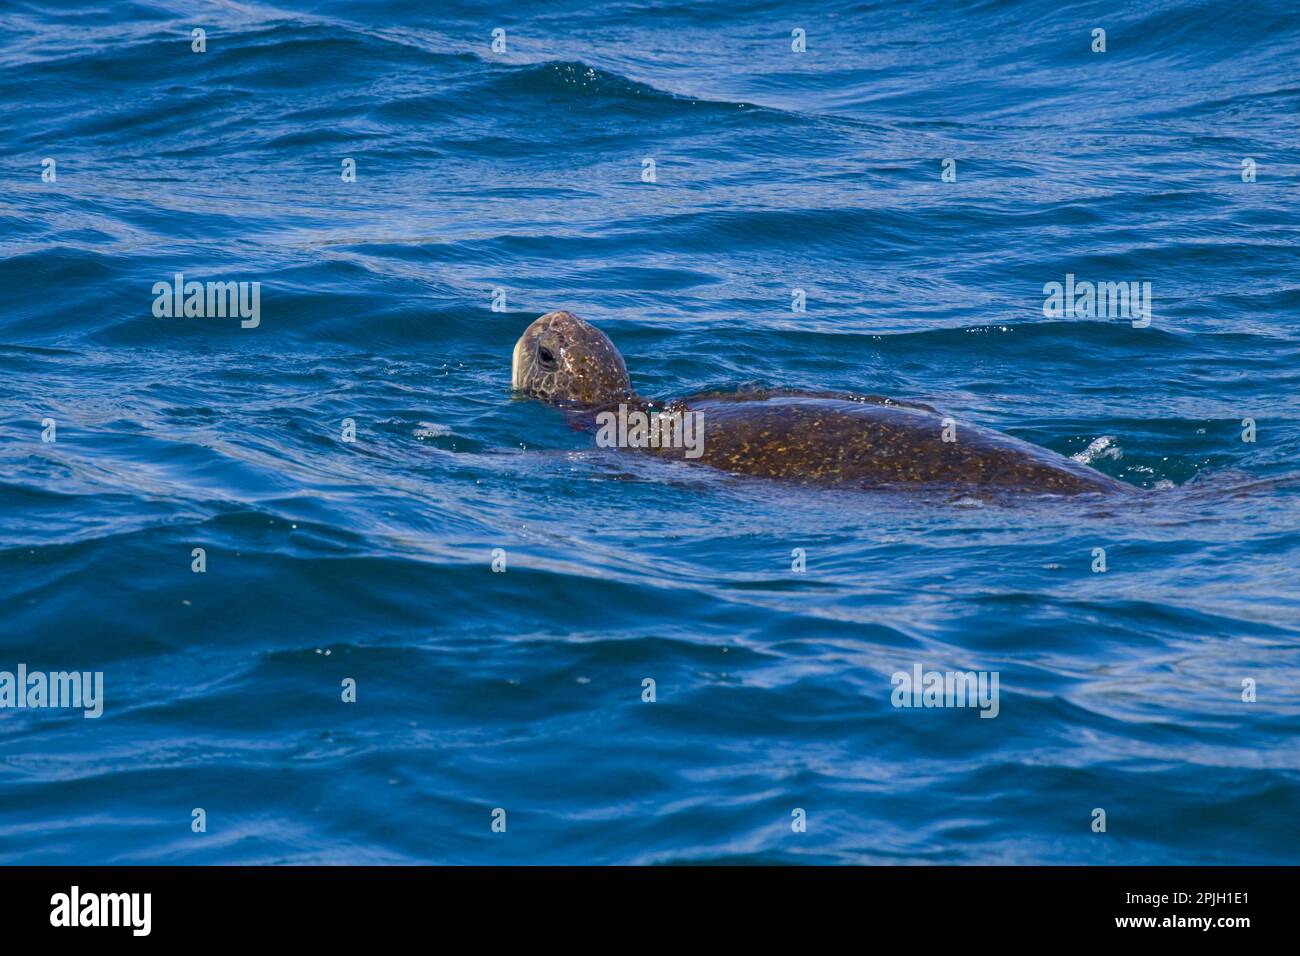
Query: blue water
x,y
522,690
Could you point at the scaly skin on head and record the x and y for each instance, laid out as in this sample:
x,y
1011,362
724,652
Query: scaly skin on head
x,y
564,361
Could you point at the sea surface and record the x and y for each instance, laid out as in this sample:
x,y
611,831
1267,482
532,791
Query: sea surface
x,y
492,186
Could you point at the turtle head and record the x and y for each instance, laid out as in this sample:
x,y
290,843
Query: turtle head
x,y
563,360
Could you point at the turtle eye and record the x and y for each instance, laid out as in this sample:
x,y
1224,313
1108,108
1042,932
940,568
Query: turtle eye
x,y
546,357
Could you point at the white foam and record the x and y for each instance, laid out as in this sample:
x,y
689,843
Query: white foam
x,y
1103,447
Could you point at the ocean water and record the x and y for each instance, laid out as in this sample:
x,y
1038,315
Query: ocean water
x,y
493,186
